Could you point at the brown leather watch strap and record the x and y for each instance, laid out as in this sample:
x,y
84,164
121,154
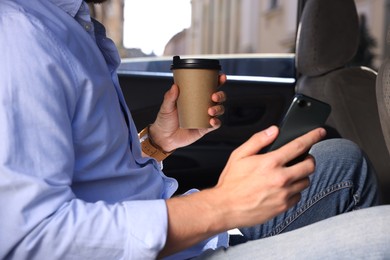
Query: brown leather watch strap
x,y
150,148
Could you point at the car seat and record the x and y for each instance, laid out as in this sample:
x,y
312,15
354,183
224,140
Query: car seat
x,y
327,40
383,97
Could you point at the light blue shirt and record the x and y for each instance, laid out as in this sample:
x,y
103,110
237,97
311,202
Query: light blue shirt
x,y
73,182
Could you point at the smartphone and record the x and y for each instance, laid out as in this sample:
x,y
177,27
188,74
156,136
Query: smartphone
x,y
304,114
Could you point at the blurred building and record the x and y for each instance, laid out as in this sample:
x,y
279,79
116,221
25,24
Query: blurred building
x,y
262,26
243,26
111,14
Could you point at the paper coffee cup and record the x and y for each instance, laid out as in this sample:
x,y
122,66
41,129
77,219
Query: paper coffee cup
x,y
197,80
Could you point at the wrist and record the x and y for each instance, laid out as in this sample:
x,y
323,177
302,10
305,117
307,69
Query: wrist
x,y
187,226
149,147
161,139
220,209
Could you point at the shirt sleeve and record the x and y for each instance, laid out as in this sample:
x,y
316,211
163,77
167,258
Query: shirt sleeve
x,y
40,216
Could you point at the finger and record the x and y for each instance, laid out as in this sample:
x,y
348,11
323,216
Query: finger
x,y
301,170
222,79
296,189
216,110
218,97
215,123
300,185
170,98
293,200
257,142
301,145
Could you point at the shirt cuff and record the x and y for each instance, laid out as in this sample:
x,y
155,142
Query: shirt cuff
x,y
147,228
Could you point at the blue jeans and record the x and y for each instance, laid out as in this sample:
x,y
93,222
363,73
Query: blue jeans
x,y
343,181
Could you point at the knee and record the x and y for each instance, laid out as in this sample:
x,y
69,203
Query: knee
x,y
333,150
340,160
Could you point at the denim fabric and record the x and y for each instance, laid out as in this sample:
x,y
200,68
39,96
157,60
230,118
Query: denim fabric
x,y
343,181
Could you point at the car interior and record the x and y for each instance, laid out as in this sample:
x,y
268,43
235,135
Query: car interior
x,y
383,102
326,40
325,47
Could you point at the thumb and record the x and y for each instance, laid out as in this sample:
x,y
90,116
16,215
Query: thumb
x,y
258,141
170,98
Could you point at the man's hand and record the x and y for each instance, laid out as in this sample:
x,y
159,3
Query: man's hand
x,y
165,131
252,189
265,185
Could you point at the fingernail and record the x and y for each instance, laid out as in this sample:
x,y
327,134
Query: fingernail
x,y
270,130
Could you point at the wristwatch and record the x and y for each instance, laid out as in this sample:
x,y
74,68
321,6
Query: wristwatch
x,y
150,148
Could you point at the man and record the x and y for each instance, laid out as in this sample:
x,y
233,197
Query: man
x,y
74,183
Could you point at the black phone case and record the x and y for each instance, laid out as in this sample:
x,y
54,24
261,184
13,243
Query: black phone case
x,y
304,114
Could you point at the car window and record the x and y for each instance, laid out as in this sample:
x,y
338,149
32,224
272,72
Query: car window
x,y
159,29
185,27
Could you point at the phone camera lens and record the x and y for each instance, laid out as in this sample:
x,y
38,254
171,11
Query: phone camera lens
x,y
301,103
304,104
